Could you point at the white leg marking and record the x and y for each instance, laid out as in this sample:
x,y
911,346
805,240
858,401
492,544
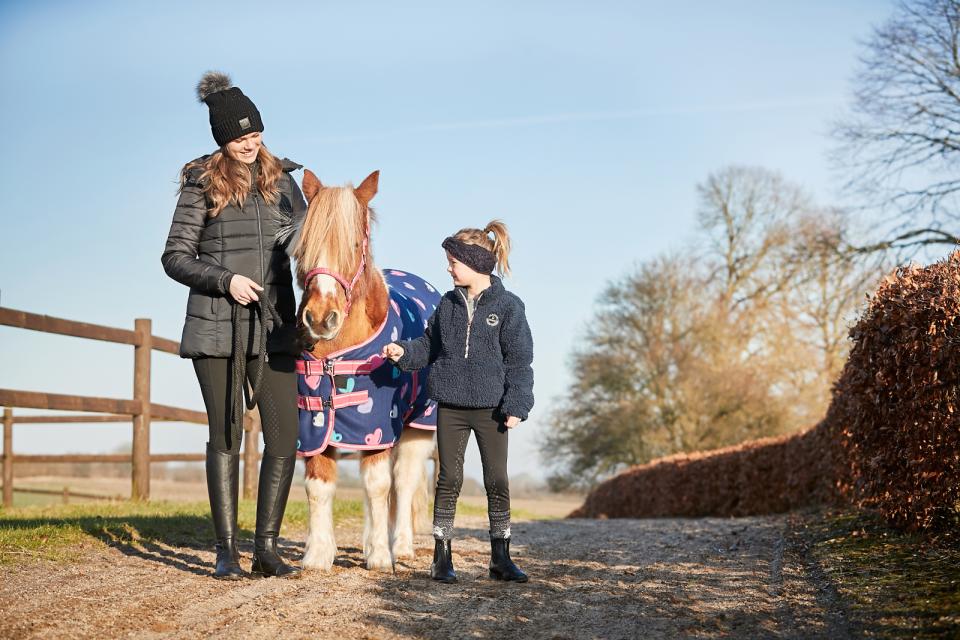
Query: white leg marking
x,y
321,547
376,539
409,474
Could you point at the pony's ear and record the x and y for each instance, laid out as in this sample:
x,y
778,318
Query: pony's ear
x,y
311,184
367,188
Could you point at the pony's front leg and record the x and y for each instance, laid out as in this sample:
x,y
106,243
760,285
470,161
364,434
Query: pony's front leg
x,y
321,485
412,452
375,471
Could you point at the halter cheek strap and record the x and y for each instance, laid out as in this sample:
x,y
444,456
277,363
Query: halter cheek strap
x,y
347,286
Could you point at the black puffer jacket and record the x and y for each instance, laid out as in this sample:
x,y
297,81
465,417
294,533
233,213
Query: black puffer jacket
x,y
477,361
204,252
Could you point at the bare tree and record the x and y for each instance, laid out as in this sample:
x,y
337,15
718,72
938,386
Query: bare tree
x,y
745,216
738,337
902,140
622,408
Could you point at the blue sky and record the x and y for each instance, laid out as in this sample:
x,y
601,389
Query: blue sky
x,y
585,126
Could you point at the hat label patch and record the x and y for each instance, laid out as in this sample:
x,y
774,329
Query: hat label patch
x,y
244,123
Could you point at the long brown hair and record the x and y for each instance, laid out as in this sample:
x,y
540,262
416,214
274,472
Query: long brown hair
x,y
226,180
500,245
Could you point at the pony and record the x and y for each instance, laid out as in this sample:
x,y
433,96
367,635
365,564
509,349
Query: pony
x,y
346,303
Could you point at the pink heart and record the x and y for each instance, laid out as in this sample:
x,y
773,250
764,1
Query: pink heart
x,y
429,409
312,381
397,273
420,304
375,437
395,306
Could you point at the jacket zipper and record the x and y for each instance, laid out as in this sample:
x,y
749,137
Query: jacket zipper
x,y
470,314
263,274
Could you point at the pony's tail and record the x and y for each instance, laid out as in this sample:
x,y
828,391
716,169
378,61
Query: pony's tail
x,y
501,245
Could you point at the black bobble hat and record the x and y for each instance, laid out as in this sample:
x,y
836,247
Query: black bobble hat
x,y
232,114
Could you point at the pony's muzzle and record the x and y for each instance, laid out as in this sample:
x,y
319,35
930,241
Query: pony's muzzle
x,y
325,328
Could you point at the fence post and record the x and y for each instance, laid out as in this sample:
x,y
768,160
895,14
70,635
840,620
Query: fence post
x,y
140,489
7,457
251,439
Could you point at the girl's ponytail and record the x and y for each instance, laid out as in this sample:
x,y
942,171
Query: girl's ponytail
x,y
501,245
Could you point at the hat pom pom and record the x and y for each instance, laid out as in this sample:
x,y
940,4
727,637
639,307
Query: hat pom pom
x,y
212,82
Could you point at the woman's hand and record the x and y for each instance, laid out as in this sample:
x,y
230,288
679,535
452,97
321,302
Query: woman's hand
x,y
512,421
243,289
392,351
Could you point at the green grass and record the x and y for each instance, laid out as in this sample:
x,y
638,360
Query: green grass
x,y
56,532
897,584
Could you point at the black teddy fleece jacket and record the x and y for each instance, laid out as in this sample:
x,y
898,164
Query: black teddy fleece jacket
x,y
477,360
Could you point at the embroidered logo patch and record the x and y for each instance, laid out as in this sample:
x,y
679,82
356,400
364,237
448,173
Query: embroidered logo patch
x,y
493,319
244,123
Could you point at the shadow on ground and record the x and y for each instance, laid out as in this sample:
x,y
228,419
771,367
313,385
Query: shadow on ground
x,y
172,540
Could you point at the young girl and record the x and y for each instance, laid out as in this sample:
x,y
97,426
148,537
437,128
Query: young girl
x,y
480,350
221,245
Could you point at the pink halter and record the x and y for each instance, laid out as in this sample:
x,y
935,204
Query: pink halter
x,y
347,286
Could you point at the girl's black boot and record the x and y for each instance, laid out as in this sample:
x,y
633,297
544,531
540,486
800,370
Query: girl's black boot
x,y
442,567
276,474
223,488
501,566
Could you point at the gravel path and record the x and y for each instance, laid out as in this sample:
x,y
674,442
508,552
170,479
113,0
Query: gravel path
x,y
706,578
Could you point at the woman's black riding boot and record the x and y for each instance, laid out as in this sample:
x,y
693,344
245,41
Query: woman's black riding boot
x,y
276,474
223,487
501,566
442,567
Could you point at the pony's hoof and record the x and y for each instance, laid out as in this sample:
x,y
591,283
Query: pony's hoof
x,y
380,562
318,559
403,551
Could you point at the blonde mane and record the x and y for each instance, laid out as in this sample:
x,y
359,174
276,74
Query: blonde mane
x,y
333,233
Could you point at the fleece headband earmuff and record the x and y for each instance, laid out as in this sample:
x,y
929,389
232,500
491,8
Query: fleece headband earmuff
x,y
473,255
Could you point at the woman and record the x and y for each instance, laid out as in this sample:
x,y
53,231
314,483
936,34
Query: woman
x,y
240,320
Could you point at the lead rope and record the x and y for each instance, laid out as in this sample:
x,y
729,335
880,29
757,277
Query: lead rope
x,y
238,357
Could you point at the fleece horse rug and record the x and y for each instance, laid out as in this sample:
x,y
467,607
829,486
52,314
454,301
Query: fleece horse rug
x,y
354,398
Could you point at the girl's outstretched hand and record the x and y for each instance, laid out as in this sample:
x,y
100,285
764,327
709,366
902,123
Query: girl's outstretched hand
x,y
392,351
512,421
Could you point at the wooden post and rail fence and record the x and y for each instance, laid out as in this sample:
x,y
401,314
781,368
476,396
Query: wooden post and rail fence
x,y
139,410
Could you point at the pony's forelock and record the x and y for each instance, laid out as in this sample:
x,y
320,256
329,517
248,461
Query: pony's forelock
x,y
332,233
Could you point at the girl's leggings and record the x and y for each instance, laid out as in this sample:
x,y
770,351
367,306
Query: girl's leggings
x,y
454,425
277,403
